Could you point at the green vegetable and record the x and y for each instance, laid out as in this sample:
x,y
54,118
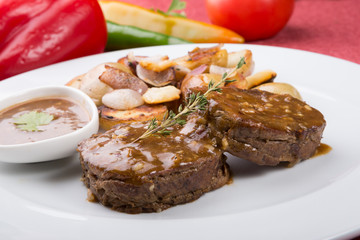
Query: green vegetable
x,y
176,5
123,36
31,120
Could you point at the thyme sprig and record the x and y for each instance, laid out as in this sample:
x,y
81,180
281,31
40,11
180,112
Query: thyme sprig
x,y
194,102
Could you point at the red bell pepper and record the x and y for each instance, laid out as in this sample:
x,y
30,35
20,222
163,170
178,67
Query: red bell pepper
x,y
35,33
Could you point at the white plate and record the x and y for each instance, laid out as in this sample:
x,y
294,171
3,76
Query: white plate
x,y
317,199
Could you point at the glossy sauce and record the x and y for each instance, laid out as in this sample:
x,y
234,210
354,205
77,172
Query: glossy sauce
x,y
68,117
266,110
322,150
115,150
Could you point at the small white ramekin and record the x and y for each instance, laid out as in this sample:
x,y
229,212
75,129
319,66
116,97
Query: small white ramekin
x,y
52,148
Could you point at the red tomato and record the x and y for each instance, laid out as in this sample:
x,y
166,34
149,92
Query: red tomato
x,y
253,19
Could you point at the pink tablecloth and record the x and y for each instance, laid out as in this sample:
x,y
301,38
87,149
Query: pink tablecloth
x,y
330,27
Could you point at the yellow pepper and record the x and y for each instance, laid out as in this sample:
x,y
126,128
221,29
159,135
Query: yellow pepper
x,y
190,30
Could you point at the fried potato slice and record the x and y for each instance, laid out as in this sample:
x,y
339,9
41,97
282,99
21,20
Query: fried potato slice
x,y
156,66
233,59
280,88
110,117
157,95
260,78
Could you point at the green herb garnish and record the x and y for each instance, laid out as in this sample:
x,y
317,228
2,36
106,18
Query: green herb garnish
x,y
175,7
31,120
193,103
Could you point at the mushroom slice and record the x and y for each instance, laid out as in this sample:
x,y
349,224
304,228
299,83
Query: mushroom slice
x,y
260,78
157,79
122,99
120,79
160,95
280,88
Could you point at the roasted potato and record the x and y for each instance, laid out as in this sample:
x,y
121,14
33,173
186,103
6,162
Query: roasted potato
x,y
280,88
157,95
260,78
110,117
233,59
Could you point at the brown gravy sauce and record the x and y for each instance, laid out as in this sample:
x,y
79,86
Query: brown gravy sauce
x,y
279,112
68,117
115,151
322,150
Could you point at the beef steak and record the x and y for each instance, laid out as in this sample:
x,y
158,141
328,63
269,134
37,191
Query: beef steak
x,y
263,127
155,173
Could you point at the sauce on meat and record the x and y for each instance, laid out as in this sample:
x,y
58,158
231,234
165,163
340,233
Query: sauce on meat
x,y
115,151
273,111
68,117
